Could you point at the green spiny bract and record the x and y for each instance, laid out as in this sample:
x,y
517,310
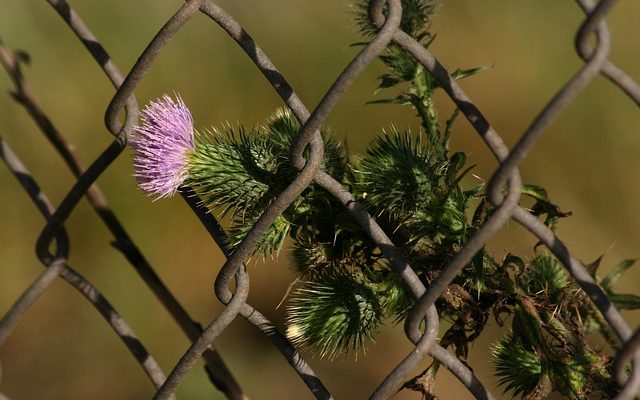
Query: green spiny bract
x,y
416,15
240,171
414,186
335,312
519,368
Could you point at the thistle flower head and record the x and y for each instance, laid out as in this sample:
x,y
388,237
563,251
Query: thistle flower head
x,y
161,147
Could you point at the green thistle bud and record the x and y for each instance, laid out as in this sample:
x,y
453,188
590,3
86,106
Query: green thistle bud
x,y
335,313
518,368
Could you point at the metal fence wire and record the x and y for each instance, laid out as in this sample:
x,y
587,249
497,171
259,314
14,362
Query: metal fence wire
x,y
386,15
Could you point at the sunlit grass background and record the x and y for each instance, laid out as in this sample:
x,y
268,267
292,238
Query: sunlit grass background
x,y
63,349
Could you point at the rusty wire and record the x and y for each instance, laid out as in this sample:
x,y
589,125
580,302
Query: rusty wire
x,y
506,203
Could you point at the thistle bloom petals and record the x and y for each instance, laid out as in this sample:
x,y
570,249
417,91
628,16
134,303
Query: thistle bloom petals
x,y
162,145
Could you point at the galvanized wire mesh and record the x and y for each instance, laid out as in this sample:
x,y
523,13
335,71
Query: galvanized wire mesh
x,y
507,202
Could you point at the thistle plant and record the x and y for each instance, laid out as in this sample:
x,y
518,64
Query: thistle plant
x,y
344,289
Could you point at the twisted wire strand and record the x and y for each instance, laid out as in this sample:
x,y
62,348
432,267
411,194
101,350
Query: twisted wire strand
x,y
308,135
121,131
596,63
125,90
118,103
616,75
508,165
323,179
279,83
528,139
121,100
630,348
18,309
421,309
252,315
217,370
58,264
360,214
290,353
98,52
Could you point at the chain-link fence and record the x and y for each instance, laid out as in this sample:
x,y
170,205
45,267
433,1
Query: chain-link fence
x,y
53,242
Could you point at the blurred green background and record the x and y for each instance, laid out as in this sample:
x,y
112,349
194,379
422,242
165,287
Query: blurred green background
x,y
63,349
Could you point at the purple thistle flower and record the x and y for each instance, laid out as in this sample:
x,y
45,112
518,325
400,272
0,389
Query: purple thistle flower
x,y
161,147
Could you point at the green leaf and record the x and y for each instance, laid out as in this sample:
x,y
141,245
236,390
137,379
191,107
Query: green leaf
x,y
483,267
270,243
465,73
535,191
483,211
473,191
612,277
570,377
527,325
544,206
511,259
625,301
400,99
456,163
592,268
387,81
395,298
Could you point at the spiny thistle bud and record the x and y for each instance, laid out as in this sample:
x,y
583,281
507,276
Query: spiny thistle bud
x,y
161,147
335,313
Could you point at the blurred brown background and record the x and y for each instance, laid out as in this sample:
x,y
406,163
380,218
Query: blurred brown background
x,y
64,350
